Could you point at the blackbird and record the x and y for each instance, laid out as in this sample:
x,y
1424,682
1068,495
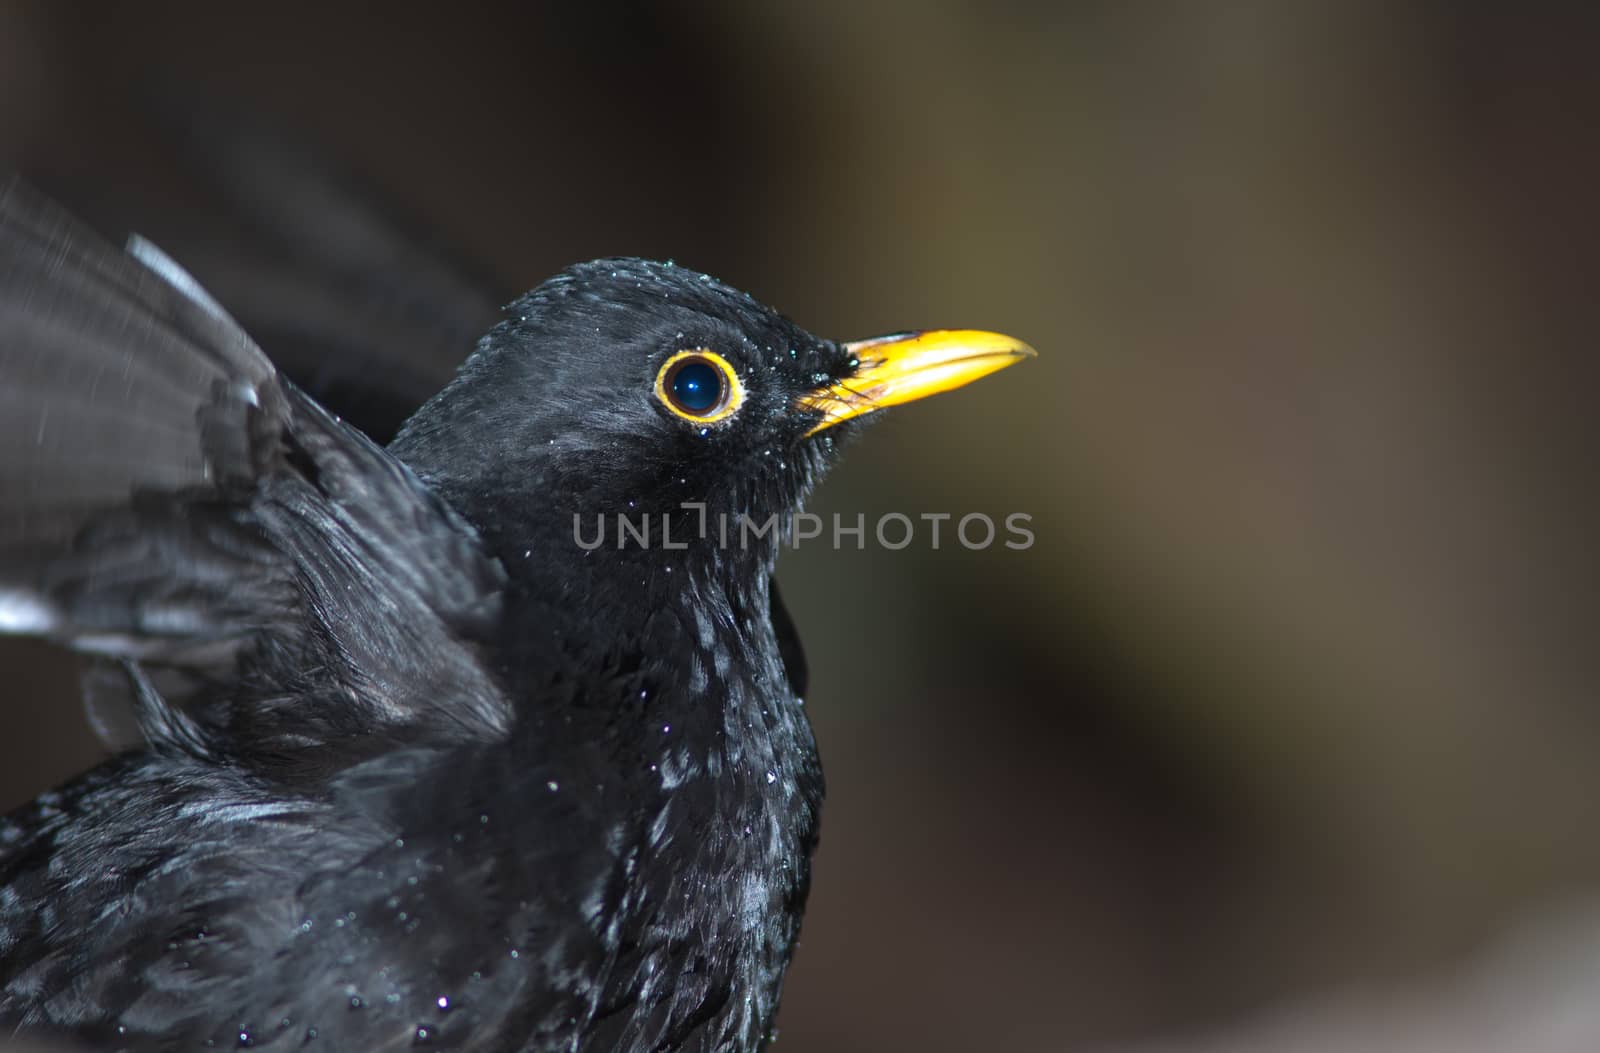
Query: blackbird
x,y
418,762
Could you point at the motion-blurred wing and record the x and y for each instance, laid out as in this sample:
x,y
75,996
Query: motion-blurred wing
x,y
165,496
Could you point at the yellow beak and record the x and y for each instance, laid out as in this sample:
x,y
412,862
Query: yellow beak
x,y
909,366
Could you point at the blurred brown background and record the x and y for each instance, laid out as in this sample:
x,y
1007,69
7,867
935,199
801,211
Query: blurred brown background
x,y
1293,699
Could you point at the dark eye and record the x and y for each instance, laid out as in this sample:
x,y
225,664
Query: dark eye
x,y
696,387
699,386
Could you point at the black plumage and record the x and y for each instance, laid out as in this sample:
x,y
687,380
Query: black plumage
x,y
415,767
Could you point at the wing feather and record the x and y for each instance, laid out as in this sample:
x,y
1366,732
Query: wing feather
x,y
166,496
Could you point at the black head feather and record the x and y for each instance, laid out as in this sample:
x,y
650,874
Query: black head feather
x,y
556,410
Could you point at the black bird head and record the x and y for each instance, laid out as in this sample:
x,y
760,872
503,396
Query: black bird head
x,y
625,386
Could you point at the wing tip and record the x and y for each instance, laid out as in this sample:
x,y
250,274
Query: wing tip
x,y
25,614
168,270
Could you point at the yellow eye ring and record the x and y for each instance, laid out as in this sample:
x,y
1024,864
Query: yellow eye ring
x,y
699,386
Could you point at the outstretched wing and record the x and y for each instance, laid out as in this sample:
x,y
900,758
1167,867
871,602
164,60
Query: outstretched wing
x,y
166,496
